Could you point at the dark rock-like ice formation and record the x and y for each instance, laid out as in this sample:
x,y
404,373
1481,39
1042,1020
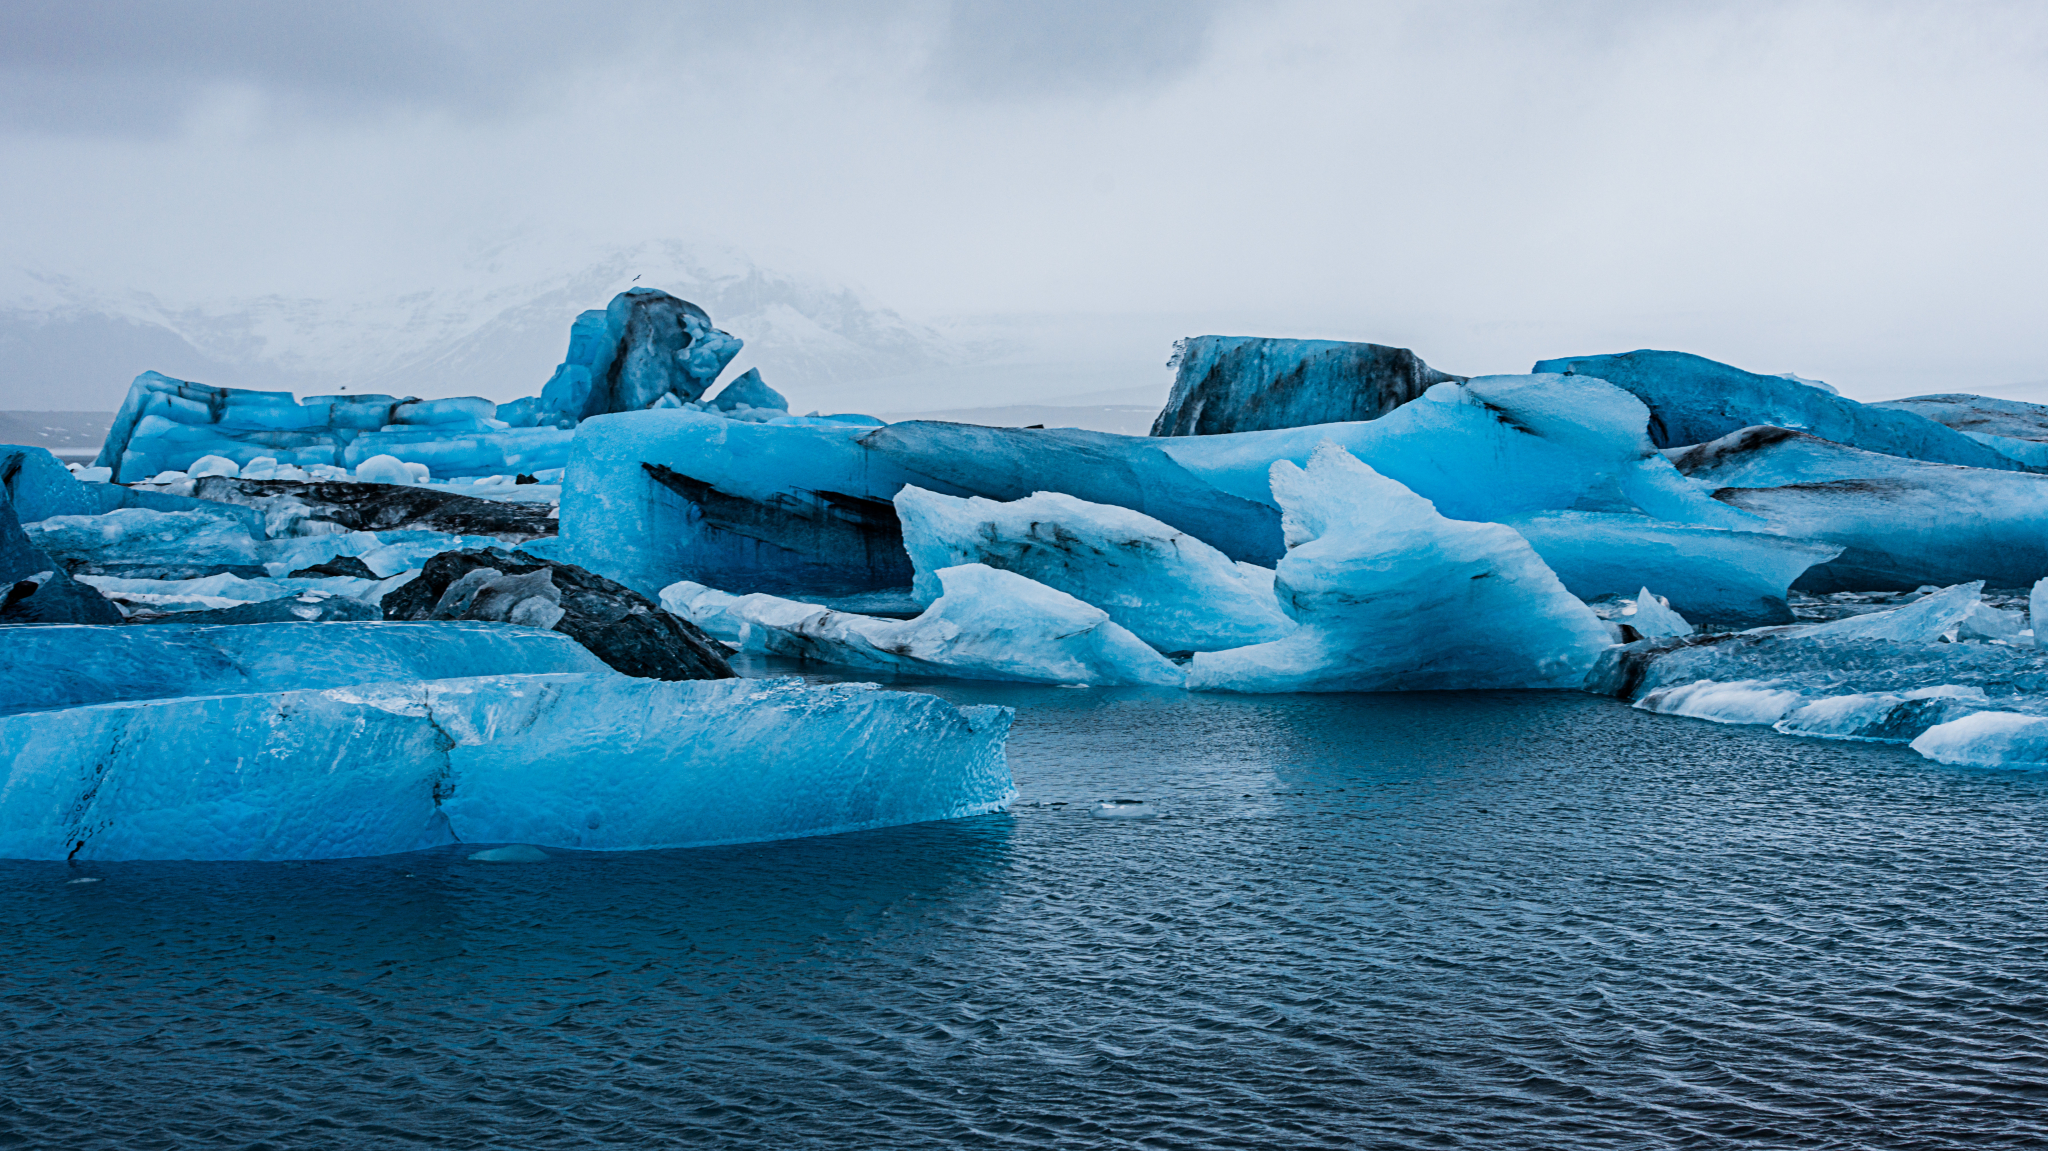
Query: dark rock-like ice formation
x,y
40,487
361,507
748,389
35,588
1247,384
621,627
1693,400
643,346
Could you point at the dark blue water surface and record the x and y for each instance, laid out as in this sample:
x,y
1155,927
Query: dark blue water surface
x,y
1432,920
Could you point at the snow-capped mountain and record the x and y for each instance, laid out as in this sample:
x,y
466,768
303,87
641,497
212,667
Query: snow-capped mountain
x,y
495,329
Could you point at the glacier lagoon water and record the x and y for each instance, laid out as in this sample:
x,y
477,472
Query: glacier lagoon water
x,y
1509,919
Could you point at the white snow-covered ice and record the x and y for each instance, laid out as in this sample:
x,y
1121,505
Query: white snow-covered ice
x,y
1168,588
985,624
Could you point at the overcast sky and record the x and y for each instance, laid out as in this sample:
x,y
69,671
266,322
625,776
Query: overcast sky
x,y
1851,190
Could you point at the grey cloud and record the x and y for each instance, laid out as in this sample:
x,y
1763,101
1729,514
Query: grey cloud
x,y
997,49
134,67
137,67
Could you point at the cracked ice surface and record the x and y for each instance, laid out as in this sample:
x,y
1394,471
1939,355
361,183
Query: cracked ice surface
x,y
595,761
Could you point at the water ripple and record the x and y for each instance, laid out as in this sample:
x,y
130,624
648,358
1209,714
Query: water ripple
x,y
1501,920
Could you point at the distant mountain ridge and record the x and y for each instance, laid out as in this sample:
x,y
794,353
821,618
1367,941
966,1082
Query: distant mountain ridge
x,y
493,332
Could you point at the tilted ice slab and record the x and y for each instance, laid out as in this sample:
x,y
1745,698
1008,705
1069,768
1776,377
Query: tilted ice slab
x,y
39,485
66,666
986,624
657,496
1693,400
1900,523
1719,575
1168,588
1651,616
595,761
1392,596
1924,621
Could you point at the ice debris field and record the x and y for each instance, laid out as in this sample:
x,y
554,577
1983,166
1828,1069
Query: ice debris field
x,y
266,627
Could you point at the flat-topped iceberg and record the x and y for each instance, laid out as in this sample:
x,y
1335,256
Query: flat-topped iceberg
x,y
1168,588
985,624
1247,383
591,760
1392,596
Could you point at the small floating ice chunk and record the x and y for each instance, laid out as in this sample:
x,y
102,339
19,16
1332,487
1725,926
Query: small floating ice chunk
x,y
384,469
1653,617
1743,701
2037,606
1988,739
1124,809
515,853
213,466
1923,621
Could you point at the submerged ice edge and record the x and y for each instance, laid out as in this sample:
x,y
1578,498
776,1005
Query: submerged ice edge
x,y
1950,676
571,760
1947,723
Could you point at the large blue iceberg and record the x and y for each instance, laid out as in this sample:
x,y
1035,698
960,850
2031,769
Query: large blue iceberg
x,y
653,497
646,349
167,425
1693,399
